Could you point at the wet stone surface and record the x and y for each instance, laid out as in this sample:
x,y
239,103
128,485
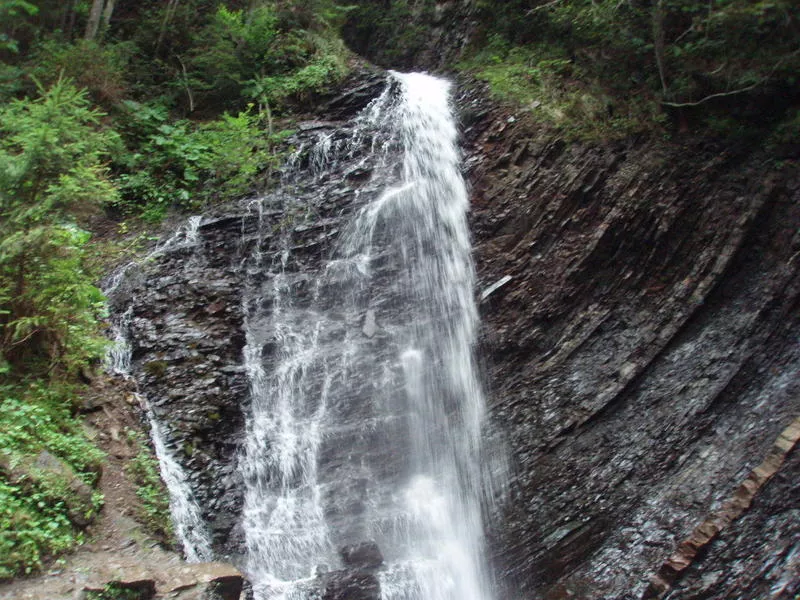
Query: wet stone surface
x,y
640,356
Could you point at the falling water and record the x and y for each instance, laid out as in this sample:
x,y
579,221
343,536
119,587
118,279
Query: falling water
x,y
190,529
366,406
189,526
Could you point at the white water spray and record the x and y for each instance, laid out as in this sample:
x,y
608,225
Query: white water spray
x,y
366,407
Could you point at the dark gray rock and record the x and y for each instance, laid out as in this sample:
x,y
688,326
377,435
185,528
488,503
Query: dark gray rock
x,y
365,555
641,356
351,585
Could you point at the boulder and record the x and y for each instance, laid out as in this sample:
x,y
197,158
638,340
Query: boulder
x,y
351,585
364,555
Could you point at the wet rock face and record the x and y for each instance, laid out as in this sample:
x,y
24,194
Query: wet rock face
x,y
190,298
186,339
352,585
640,351
640,316
365,555
357,581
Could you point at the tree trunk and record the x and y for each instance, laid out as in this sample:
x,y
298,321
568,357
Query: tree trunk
x,y
108,11
169,12
658,43
93,24
69,25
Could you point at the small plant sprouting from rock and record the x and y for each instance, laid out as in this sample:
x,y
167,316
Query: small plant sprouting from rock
x,y
156,368
154,510
116,591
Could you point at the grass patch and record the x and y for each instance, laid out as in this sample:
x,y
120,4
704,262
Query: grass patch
x,y
544,82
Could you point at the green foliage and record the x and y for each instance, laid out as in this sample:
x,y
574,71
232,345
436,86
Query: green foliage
x,y
641,60
152,492
100,69
266,55
543,81
50,171
392,32
50,305
34,508
11,13
728,45
46,143
179,163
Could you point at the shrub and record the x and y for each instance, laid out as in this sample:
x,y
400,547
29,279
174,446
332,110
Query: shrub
x,y
100,69
51,174
34,506
180,163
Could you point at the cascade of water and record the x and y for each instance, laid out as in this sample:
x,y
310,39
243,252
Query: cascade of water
x,y
366,407
189,526
184,510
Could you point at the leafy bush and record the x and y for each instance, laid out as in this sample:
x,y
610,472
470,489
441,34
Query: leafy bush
x,y
98,69
51,173
390,33
180,163
642,61
49,302
12,14
543,81
35,507
265,54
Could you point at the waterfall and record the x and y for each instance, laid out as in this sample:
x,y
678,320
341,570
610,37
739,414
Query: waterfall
x,y
367,411
190,529
189,526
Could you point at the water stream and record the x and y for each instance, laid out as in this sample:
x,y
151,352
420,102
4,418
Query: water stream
x,y
367,413
190,530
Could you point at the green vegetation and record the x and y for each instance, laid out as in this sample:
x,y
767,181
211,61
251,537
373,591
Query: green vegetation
x,y
114,110
600,68
143,469
543,81
608,68
51,174
47,469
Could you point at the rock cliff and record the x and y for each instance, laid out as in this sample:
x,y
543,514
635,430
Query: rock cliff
x,y
640,320
641,355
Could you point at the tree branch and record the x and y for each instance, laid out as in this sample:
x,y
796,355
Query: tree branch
x,y
186,84
542,7
732,92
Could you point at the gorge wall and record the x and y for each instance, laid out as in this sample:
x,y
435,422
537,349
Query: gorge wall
x,y
639,306
642,357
